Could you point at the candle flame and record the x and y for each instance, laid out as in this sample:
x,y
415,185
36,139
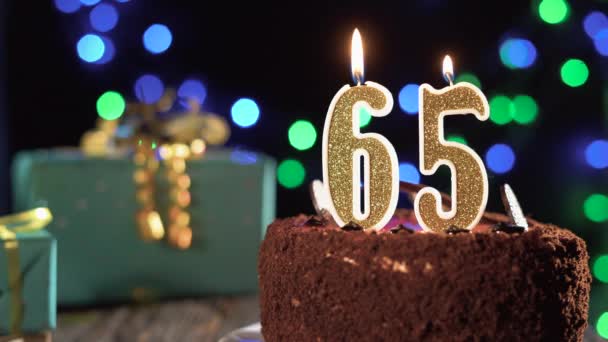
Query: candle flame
x,y
448,69
356,57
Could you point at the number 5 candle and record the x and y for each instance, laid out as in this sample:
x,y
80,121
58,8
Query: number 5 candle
x,y
469,178
344,145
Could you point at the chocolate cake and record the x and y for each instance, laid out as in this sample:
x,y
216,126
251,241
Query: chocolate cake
x,y
320,282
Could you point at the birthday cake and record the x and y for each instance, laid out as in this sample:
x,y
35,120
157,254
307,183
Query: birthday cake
x,y
497,282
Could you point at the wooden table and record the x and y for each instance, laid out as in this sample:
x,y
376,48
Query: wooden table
x,y
185,320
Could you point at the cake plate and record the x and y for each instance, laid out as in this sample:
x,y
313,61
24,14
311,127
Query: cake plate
x,y
250,333
253,333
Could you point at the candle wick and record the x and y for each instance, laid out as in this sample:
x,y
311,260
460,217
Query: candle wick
x,y
449,78
358,79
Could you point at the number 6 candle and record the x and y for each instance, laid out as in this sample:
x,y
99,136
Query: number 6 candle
x,y
344,145
469,178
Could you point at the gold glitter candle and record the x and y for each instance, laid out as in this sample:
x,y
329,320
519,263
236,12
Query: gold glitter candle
x,y
469,177
344,145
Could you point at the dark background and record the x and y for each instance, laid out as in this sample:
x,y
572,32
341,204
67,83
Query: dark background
x,y
291,57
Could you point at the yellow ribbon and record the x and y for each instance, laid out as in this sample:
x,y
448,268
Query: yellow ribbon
x,y
11,225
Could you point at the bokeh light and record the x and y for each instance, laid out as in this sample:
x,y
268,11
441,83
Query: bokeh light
x,y
600,268
595,208
553,11
302,135
457,138
67,6
364,118
291,173
245,112
243,157
468,77
595,22
110,105
526,109
149,88
602,325
157,38
408,98
89,2
500,158
108,51
90,48
516,53
596,154
601,42
501,110
574,72
103,17
192,89
409,173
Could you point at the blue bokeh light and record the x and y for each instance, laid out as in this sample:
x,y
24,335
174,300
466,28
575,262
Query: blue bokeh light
x,y
243,157
409,173
601,42
90,48
408,98
103,17
517,53
108,52
89,2
149,88
595,22
192,89
500,158
596,154
245,112
67,6
157,38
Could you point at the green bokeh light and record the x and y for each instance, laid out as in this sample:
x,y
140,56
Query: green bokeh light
x,y
574,72
468,77
291,173
600,268
457,138
553,11
526,109
602,325
110,105
596,208
302,135
364,118
501,110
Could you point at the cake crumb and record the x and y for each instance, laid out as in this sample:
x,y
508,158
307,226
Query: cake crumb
x,y
395,266
386,262
328,254
295,302
350,261
400,267
428,267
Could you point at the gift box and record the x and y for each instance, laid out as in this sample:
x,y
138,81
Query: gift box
x,y
28,283
102,256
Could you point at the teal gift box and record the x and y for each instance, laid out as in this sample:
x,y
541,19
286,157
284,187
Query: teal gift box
x,y
102,257
31,308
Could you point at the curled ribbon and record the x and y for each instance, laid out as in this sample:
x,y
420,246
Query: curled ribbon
x,y
11,225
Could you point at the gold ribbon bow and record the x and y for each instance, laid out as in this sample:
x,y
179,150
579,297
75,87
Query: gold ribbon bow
x,y
11,225
178,140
